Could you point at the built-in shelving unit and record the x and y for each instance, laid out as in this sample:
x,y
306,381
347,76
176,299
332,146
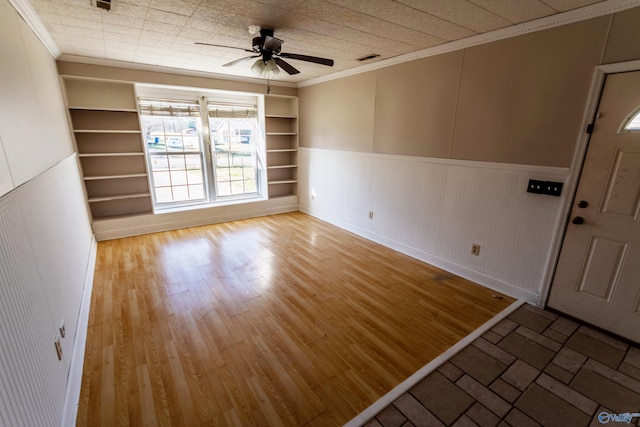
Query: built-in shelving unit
x,y
109,145
281,126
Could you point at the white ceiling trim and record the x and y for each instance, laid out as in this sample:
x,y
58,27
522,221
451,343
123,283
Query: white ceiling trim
x,y
564,18
28,13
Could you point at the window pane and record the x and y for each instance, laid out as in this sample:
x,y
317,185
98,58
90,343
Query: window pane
x,y
174,143
224,188
196,192
249,173
159,163
163,195
195,177
250,186
193,161
222,159
180,193
177,162
634,123
237,187
178,177
172,126
161,179
222,174
191,142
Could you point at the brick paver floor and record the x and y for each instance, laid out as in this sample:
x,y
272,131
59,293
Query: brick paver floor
x,y
533,368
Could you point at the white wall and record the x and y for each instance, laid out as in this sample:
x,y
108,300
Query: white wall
x,y
434,209
46,240
34,129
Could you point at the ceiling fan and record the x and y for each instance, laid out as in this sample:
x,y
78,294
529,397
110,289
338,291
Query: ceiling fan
x,y
268,49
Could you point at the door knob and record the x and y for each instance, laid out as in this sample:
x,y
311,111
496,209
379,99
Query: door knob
x,y
583,204
577,220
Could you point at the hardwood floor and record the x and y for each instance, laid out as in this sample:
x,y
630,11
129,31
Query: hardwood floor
x,y
281,320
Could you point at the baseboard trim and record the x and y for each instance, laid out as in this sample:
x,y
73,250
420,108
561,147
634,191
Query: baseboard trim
x,y
74,380
407,384
108,229
459,270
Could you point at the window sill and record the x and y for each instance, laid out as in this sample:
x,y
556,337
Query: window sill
x,y
207,205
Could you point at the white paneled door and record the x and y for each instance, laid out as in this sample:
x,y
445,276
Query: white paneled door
x,y
598,273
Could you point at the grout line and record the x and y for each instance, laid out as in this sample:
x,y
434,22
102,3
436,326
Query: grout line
x,y
407,384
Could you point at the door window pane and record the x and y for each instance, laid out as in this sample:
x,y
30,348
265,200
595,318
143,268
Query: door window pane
x,y
633,124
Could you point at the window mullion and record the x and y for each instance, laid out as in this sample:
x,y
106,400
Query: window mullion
x,y
208,154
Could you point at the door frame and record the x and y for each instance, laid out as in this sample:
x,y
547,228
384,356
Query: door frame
x,y
579,154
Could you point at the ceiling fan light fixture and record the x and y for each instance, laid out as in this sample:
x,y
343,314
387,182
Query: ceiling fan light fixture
x,y
264,69
271,67
258,67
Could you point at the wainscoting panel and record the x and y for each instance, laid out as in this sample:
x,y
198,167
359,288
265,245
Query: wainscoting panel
x,y
61,250
490,207
350,172
33,380
407,201
435,209
45,247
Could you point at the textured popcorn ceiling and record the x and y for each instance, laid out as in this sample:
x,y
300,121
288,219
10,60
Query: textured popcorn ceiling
x,y
163,32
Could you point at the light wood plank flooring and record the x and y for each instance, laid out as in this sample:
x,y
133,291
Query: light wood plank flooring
x,y
281,320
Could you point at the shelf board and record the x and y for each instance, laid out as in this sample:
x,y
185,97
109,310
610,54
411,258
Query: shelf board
x,y
282,166
281,150
117,197
111,154
280,116
283,181
282,133
124,110
106,131
130,175
106,218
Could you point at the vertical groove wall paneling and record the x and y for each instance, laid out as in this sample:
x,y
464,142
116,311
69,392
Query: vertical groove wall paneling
x,y
33,380
435,209
398,216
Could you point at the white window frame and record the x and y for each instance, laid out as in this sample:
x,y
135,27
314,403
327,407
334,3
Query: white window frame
x,y
238,111
203,98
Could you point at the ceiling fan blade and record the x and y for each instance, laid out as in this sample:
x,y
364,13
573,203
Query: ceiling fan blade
x,y
315,59
229,64
290,69
221,45
272,43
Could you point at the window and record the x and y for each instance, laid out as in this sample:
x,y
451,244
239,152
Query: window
x,y
201,152
234,132
175,158
632,124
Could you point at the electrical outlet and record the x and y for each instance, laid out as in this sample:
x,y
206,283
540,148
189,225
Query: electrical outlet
x,y
370,214
58,347
475,249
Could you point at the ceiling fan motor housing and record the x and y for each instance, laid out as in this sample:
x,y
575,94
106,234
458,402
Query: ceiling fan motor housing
x,y
258,42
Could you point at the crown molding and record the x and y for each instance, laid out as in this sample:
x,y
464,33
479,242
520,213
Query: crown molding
x,y
593,11
28,13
